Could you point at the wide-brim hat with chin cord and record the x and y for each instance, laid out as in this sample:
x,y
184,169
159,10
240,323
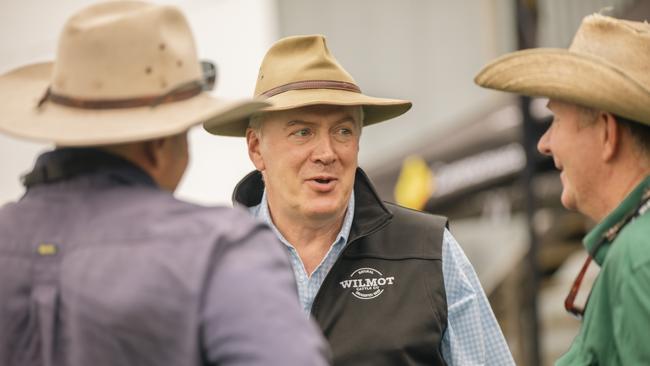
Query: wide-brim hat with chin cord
x,y
300,71
124,71
607,67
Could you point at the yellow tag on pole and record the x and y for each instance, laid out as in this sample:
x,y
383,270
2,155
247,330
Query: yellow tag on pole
x,y
415,183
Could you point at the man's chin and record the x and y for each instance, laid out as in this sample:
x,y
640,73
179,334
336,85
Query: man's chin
x,y
323,213
323,206
568,202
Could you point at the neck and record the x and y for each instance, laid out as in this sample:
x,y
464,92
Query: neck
x,y
130,152
616,186
312,237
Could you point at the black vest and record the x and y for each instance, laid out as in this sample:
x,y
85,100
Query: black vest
x,y
383,302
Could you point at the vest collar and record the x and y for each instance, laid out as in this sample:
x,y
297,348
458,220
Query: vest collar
x,y
370,213
605,232
67,163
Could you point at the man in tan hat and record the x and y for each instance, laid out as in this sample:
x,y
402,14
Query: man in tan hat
x,y
100,265
387,285
599,91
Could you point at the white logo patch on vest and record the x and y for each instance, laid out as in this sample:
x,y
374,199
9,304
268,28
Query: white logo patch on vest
x,y
367,283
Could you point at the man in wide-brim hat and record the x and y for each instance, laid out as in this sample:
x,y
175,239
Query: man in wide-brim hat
x,y
99,264
599,93
387,285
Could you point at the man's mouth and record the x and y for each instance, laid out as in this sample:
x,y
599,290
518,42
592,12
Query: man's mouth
x,y
322,183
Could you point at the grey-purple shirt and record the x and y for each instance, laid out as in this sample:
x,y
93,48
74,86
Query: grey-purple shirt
x,y
100,267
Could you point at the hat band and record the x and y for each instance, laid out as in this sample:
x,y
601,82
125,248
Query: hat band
x,y
179,93
312,84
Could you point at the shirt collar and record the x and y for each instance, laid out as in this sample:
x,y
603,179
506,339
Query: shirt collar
x,y
67,163
610,226
261,211
370,213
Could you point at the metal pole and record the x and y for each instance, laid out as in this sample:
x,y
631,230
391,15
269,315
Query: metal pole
x,y
527,30
533,278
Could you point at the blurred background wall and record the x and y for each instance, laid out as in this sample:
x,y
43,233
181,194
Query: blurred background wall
x,y
424,51
462,151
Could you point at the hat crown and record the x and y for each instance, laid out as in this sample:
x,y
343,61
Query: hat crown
x,y
624,45
124,49
298,59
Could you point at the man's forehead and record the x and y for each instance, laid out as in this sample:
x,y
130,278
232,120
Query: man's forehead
x,y
316,113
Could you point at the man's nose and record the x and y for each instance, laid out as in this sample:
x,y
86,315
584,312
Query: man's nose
x,y
543,145
324,151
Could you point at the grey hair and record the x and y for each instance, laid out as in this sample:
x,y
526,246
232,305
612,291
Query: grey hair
x,y
588,115
639,131
255,121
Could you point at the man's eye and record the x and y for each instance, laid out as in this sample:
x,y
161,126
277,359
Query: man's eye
x,y
303,132
345,132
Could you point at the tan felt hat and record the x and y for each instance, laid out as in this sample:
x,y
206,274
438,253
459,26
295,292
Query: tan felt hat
x,y
124,71
607,67
300,71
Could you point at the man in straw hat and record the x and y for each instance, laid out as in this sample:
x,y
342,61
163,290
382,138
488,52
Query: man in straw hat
x,y
100,265
387,285
599,93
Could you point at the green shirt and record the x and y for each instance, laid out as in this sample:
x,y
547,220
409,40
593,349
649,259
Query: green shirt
x,y
616,326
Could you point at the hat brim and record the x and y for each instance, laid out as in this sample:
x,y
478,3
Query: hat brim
x,y
571,77
375,109
21,89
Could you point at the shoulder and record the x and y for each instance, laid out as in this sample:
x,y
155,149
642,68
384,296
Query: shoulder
x,y
633,243
155,214
409,233
7,210
216,220
414,219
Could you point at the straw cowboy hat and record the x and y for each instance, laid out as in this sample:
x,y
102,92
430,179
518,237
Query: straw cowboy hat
x,y
607,67
300,71
124,71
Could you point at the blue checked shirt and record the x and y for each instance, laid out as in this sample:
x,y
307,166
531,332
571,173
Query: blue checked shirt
x,y
473,336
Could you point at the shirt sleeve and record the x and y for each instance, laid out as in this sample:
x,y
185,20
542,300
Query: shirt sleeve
x,y
251,314
473,336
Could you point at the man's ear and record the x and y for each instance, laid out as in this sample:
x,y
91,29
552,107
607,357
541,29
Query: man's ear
x,y
610,136
154,152
253,142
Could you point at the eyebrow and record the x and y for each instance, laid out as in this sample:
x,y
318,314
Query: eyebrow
x,y
294,122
